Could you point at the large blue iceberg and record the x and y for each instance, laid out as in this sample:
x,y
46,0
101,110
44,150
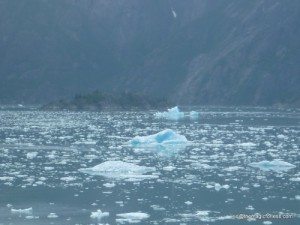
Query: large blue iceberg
x,y
172,114
275,165
167,136
166,142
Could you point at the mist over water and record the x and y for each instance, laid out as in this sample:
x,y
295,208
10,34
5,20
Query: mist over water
x,y
207,181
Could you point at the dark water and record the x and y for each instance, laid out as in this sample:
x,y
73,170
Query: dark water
x,y
207,182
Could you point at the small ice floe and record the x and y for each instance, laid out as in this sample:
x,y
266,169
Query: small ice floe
x,y
32,217
120,170
49,168
157,208
275,165
218,186
98,215
6,179
27,211
188,203
68,179
204,166
295,179
171,114
52,216
233,168
133,217
109,185
31,155
169,168
246,145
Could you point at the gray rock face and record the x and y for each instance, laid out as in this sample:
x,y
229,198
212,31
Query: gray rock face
x,y
235,52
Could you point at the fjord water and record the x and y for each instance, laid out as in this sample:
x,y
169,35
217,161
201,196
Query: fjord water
x,y
208,181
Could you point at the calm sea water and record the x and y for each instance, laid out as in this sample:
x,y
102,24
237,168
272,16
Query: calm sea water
x,y
209,181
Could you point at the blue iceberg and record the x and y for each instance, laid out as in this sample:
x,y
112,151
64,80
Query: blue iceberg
x,y
166,142
167,136
194,115
171,114
275,165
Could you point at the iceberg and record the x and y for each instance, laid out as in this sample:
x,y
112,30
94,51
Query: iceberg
x,y
166,142
165,137
171,114
275,165
120,170
194,115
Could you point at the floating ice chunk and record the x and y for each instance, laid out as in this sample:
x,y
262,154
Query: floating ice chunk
x,y
218,186
22,211
133,217
120,170
166,142
99,214
68,179
49,168
6,178
202,213
157,208
275,165
52,216
295,179
167,136
233,168
31,155
109,185
202,166
171,114
169,168
194,115
31,217
247,145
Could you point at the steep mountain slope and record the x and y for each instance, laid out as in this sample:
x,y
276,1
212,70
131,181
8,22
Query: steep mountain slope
x,y
236,52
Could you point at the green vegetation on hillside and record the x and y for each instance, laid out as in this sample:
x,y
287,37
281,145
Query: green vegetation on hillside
x,y
97,101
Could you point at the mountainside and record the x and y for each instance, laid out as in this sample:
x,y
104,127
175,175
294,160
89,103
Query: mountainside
x,y
225,52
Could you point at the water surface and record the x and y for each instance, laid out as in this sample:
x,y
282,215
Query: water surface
x,y
207,182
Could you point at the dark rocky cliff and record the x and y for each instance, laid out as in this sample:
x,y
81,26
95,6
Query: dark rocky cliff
x,y
226,52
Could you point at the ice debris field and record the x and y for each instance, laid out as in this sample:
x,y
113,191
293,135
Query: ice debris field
x,y
133,167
